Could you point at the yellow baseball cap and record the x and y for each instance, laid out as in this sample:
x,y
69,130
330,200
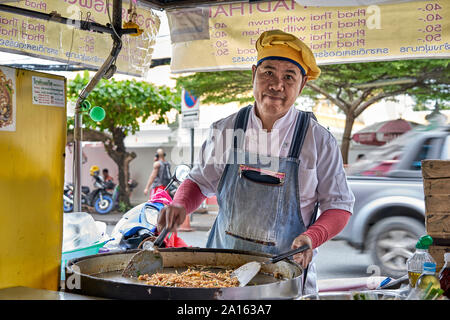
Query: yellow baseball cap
x,y
279,45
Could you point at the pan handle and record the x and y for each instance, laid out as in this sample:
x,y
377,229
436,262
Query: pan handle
x,y
158,242
288,254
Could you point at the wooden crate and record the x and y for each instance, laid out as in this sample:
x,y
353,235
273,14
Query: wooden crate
x,y
438,225
437,252
436,186
432,169
437,203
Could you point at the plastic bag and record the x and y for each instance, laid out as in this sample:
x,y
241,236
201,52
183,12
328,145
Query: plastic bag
x,y
81,230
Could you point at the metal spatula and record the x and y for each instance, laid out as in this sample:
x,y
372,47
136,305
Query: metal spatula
x,y
146,261
248,271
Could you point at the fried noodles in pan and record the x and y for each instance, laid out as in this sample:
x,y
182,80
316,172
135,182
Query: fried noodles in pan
x,y
192,278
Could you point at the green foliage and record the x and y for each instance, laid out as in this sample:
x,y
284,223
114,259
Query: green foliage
x,y
432,78
125,102
123,207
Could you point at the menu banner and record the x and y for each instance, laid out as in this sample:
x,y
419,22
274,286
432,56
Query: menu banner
x,y
65,43
415,29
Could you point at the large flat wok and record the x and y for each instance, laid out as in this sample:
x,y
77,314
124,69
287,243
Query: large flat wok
x,y
100,276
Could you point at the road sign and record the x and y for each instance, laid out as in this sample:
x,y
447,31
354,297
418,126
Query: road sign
x,y
190,120
189,109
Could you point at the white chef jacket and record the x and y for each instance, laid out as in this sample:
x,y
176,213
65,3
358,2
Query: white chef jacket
x,y
321,174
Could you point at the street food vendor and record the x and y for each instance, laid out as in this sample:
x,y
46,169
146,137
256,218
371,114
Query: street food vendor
x,y
269,165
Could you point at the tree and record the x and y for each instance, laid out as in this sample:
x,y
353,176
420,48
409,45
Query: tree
x,y
127,104
352,87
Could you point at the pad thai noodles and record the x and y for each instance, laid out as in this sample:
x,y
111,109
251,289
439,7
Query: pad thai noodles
x,y
192,278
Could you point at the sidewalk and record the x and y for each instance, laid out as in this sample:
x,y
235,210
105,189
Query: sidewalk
x,y
199,221
203,221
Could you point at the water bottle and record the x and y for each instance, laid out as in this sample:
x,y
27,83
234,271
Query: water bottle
x,y
415,263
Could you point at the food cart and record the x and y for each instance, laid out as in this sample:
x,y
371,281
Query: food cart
x,y
223,33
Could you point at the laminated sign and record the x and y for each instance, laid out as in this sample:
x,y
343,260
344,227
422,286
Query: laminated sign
x,y
189,109
48,92
383,30
65,43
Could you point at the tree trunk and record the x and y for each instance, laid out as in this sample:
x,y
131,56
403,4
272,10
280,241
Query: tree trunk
x,y
123,158
345,146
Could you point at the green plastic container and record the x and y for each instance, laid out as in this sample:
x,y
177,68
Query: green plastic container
x,y
78,253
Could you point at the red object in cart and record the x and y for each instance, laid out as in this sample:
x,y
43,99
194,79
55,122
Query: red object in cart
x,y
174,241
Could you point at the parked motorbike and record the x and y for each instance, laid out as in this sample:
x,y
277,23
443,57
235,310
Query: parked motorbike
x,y
68,196
101,199
139,224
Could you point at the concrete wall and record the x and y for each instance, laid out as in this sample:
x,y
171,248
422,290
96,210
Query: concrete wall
x,y
95,154
140,170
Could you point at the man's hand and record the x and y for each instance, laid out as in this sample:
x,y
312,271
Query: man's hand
x,y
171,216
305,257
145,191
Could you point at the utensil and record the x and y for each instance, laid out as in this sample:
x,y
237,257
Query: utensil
x,y
148,260
248,271
384,282
391,283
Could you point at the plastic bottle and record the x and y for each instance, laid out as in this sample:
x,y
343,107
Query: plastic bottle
x,y
444,275
428,280
415,263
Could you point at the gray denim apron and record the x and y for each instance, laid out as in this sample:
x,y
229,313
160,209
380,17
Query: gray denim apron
x,y
259,208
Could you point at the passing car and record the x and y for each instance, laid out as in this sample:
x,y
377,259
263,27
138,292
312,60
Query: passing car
x,y
389,211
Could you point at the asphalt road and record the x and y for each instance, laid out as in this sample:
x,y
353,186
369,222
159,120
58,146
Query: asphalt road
x,y
335,259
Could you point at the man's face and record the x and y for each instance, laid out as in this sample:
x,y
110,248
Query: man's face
x,y
276,86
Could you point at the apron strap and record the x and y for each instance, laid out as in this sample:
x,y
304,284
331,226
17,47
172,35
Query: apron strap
x,y
301,128
311,222
241,123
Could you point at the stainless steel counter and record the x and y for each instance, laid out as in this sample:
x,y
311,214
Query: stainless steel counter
x,y
25,293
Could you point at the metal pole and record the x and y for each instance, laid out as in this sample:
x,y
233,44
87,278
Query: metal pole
x,y
117,46
77,154
192,147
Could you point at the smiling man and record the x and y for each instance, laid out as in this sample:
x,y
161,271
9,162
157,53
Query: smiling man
x,y
276,168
